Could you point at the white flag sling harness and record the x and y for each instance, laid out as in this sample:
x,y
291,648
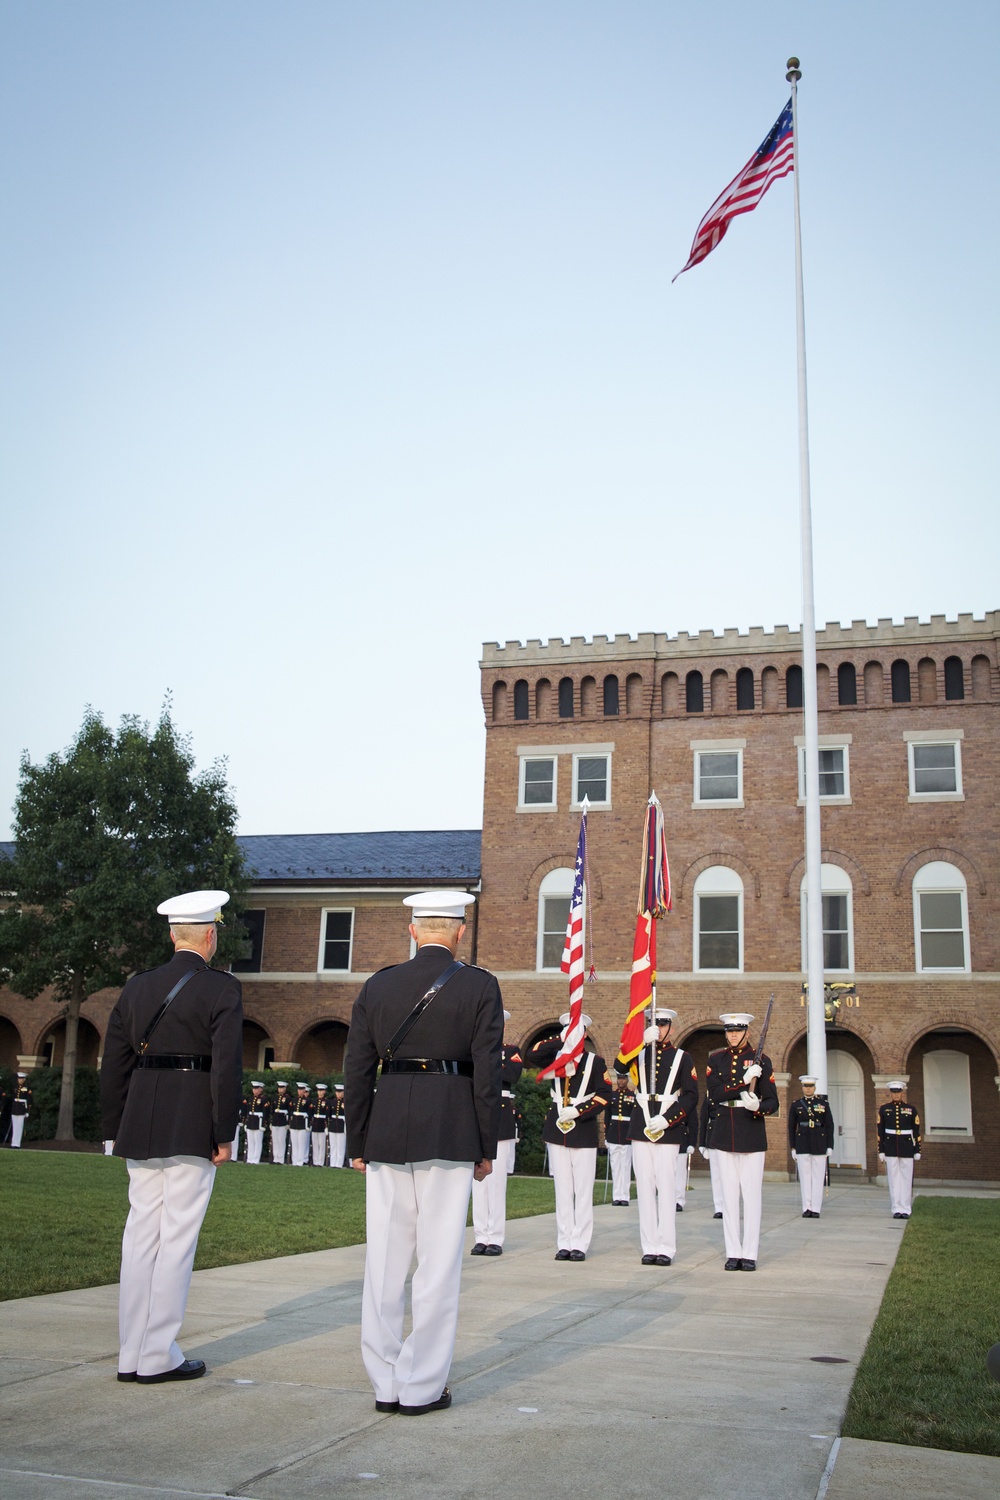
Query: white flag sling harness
x,y
643,1096
580,1100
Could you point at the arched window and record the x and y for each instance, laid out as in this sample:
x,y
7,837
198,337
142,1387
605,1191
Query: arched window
x,y
718,920
588,697
611,697
940,919
521,699
926,680
553,914
744,688
793,687
668,693
543,698
720,691
900,679
633,693
874,684
954,678
769,688
847,684
982,687
695,693
499,701
838,921
565,697
947,1094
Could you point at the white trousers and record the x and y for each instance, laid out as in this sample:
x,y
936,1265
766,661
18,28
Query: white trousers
x,y
741,1173
713,1172
168,1197
338,1149
17,1129
899,1170
109,1148
279,1136
319,1148
812,1181
621,1172
489,1199
573,1172
300,1147
255,1146
236,1144
655,1169
681,1176
415,1209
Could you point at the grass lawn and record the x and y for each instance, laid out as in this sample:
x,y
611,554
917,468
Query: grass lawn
x,y
923,1378
63,1216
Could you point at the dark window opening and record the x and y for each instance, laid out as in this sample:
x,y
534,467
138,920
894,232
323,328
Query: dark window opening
x,y
521,699
611,697
900,682
566,698
695,693
793,688
847,683
337,940
954,678
744,688
252,949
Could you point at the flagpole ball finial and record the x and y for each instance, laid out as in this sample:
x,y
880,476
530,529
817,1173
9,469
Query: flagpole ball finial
x,y
794,71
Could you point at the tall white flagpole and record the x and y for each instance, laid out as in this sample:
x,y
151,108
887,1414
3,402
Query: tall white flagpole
x,y
816,1021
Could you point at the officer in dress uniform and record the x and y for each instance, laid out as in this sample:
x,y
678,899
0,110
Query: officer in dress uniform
x,y
810,1135
489,1197
713,1161
337,1126
428,1130
170,1099
899,1147
20,1109
281,1111
255,1112
299,1124
570,1132
617,1125
666,1095
738,1133
320,1125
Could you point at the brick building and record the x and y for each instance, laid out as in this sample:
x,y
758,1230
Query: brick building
x,y
911,852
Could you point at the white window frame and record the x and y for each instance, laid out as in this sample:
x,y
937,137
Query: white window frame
x,y
321,955
718,747
558,888
835,882
532,807
952,1131
579,755
827,742
942,879
952,737
717,880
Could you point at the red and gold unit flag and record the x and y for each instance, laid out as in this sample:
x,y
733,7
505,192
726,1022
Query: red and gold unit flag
x,y
654,902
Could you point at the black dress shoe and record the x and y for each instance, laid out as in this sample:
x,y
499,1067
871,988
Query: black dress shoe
x,y
899,1216
562,1255
663,1260
649,1260
577,1255
478,1249
748,1265
126,1375
717,1216
387,1406
733,1264
191,1369
806,1214
493,1250
442,1402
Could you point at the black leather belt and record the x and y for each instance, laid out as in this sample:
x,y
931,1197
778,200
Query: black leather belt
x,y
427,1065
181,1062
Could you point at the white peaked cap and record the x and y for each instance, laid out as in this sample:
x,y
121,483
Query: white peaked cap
x,y
255,1083
806,1078
661,1014
439,904
22,1075
323,1086
735,1020
584,1020
282,1084
897,1083
194,907
303,1085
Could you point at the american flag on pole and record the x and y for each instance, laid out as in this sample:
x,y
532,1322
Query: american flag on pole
x,y
654,902
572,964
774,158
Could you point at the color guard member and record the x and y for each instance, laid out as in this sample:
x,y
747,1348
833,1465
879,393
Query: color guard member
x,y
319,1126
617,1127
570,1132
489,1197
899,1148
742,1092
337,1126
20,1109
810,1135
299,1123
255,1111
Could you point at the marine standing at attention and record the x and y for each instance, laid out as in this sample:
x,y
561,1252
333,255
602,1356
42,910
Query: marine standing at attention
x,y
570,1132
742,1091
810,1136
436,1027
899,1148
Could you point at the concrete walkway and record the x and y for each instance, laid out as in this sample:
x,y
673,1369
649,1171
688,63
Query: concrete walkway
x,y
606,1378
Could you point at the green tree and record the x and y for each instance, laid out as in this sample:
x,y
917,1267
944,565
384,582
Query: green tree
x,y
102,835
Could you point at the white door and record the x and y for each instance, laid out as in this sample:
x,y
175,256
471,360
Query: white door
x,y
847,1101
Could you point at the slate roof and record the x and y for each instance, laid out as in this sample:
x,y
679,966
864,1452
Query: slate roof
x,y
435,857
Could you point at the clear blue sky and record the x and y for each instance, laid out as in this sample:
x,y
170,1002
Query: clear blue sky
x,y
338,336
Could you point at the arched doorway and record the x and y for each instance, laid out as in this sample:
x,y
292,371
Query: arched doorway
x,y
88,1045
258,1048
321,1048
952,1084
10,1044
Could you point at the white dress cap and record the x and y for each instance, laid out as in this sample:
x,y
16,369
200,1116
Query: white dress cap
x,y
661,1015
736,1020
897,1084
302,1086
194,907
339,1086
585,1020
282,1084
439,904
22,1075
806,1078
255,1083
321,1088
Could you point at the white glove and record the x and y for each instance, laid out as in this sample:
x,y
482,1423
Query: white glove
x,y
749,1101
881,1156
916,1156
657,1122
704,1151
651,1034
795,1156
751,1071
829,1151
569,1113
668,1101
689,1151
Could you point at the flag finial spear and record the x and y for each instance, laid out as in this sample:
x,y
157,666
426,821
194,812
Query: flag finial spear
x,y
794,71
